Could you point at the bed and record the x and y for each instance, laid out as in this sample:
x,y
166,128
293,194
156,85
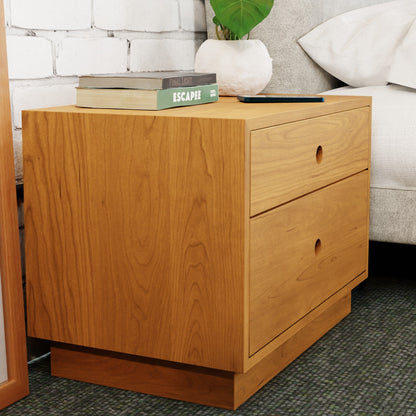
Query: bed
x,y
349,40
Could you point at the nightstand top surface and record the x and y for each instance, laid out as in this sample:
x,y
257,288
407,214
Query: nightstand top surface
x,y
257,115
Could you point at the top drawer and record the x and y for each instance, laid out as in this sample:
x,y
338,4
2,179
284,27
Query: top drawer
x,y
290,160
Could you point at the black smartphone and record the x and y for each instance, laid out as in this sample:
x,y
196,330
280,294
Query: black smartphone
x,y
276,98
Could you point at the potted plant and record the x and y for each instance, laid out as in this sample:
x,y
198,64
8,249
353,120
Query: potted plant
x,y
242,65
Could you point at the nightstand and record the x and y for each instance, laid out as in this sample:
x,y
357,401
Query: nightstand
x,y
193,252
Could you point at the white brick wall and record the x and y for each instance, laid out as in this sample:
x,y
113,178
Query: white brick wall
x,y
162,55
138,15
80,56
26,98
51,14
192,14
51,42
29,57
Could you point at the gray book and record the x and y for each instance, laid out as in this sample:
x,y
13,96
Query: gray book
x,y
148,80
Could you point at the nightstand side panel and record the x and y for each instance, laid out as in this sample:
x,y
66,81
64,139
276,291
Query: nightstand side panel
x,y
135,234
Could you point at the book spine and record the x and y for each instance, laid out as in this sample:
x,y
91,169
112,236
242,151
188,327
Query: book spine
x,y
179,97
189,81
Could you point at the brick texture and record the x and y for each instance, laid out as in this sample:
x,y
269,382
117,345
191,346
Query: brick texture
x,y
51,14
26,98
78,56
192,15
29,57
162,55
138,15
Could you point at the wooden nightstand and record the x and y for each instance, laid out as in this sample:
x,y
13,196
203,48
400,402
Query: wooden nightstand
x,y
194,252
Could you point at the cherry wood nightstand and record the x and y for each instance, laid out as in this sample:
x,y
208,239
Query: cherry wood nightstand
x,y
193,252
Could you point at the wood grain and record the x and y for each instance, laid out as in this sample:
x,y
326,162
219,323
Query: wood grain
x,y
139,240
132,244
175,381
17,385
183,382
261,373
290,160
256,116
289,275
305,321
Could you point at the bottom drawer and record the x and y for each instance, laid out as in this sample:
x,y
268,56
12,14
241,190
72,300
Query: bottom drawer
x,y
303,252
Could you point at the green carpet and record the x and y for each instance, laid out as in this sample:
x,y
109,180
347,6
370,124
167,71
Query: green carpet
x,y
366,365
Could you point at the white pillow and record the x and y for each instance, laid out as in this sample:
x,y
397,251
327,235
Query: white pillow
x,y
357,47
403,68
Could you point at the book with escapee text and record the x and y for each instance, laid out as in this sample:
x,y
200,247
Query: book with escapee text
x,y
138,99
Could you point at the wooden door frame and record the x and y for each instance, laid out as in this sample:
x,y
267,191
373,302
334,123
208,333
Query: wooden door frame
x,y
17,385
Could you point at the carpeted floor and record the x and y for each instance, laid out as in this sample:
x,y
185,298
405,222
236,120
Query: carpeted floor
x,y
365,366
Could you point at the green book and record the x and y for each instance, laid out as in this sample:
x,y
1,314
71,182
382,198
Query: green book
x,y
138,99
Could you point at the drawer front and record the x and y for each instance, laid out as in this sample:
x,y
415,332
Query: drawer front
x,y
303,252
290,160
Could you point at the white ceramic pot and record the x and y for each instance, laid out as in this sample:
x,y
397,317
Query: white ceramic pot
x,y
242,66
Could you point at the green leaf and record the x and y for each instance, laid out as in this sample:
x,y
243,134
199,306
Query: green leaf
x,y
240,16
216,20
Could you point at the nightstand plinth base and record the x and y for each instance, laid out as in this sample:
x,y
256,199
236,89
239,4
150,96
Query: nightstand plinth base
x,y
186,382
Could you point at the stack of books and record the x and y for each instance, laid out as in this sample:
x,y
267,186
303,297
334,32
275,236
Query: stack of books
x,y
147,91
